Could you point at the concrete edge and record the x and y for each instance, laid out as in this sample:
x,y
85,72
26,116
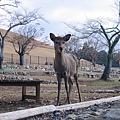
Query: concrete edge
x,y
27,112
86,104
51,108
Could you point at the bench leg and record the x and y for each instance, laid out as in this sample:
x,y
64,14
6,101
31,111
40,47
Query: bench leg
x,y
23,92
38,93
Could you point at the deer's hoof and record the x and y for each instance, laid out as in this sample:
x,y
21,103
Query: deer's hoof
x,y
69,102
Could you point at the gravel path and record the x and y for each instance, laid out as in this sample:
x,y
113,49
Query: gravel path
x,y
104,111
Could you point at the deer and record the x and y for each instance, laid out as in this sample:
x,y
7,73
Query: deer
x,y
65,65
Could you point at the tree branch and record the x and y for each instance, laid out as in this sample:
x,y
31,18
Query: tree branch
x,y
106,36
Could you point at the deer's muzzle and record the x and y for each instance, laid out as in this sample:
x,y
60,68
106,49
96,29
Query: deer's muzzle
x,y
60,48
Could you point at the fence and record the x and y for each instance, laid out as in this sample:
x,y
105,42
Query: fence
x,y
28,59
39,60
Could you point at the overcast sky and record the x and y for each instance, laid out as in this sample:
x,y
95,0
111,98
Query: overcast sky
x,y
58,12
70,11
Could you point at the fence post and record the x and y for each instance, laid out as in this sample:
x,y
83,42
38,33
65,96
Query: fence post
x,y
46,59
79,63
12,58
30,59
53,61
38,60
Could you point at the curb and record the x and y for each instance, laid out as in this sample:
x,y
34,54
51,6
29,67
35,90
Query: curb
x,y
20,114
27,112
86,104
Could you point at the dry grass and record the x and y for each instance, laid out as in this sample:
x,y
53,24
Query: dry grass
x,y
10,96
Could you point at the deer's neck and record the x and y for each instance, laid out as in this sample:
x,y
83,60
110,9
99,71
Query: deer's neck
x,y
59,63
59,58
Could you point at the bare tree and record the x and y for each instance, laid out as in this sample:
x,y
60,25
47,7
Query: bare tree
x,y
109,37
112,40
10,3
94,46
71,45
88,48
24,41
14,19
77,48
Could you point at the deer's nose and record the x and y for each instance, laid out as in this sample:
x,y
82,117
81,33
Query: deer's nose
x,y
61,48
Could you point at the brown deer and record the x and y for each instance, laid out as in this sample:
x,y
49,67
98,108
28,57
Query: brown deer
x,y
65,65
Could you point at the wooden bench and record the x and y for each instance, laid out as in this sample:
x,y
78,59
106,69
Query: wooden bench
x,y
24,84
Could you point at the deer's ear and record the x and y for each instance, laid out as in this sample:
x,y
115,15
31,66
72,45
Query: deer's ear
x,y
52,36
67,37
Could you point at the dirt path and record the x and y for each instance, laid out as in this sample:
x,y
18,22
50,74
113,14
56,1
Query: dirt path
x,y
10,97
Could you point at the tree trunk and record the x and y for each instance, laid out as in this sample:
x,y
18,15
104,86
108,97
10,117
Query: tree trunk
x,y
2,52
21,59
1,62
108,66
94,62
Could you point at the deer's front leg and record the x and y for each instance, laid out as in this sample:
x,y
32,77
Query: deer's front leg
x,y
59,79
66,87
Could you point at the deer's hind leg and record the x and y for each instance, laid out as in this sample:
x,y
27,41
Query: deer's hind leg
x,y
76,80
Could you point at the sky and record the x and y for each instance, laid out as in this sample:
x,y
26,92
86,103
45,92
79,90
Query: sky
x,y
58,12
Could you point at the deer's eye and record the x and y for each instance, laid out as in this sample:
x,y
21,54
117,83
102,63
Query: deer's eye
x,y
56,42
63,42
